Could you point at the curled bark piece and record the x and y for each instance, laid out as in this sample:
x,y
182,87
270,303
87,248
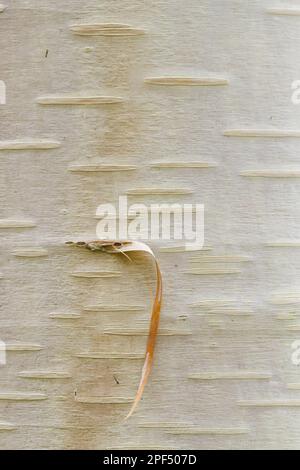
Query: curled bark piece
x,y
125,247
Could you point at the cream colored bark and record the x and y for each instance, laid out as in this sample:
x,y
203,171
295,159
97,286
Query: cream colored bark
x,y
142,84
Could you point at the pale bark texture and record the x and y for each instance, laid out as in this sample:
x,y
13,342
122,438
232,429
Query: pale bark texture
x,y
150,87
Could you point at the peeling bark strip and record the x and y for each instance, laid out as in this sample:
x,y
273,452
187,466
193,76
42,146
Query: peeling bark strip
x,y
30,253
114,356
41,375
216,271
269,403
106,29
272,173
22,396
65,316
113,308
232,375
182,428
166,165
23,347
125,248
34,144
96,274
7,426
285,11
103,400
142,332
94,168
208,432
181,249
186,81
158,191
284,244
276,133
77,100
13,223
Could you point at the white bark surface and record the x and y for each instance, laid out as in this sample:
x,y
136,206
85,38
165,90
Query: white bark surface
x,y
77,95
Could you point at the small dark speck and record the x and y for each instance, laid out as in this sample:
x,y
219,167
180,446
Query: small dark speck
x,y
75,393
176,265
116,380
46,53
